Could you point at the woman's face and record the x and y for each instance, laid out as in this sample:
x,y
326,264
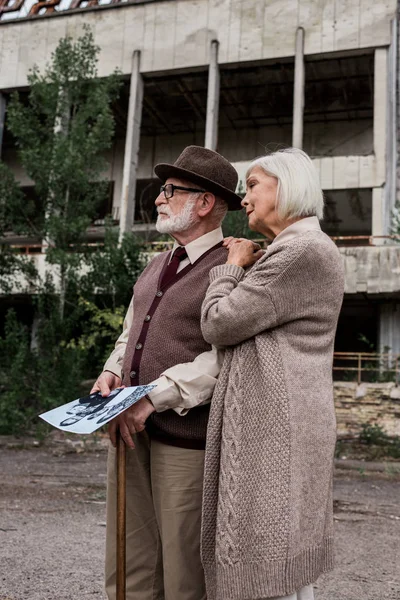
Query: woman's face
x,y
260,203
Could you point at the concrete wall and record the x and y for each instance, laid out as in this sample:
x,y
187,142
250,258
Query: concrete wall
x,y
373,403
369,269
336,172
372,270
174,35
397,108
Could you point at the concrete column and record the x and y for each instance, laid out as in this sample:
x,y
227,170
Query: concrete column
x,y
397,44
131,157
380,113
380,125
391,128
2,119
389,328
378,213
211,139
298,94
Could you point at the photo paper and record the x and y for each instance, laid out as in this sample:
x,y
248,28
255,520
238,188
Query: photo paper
x,y
85,415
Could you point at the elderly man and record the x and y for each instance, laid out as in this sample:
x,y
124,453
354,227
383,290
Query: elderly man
x,y
162,343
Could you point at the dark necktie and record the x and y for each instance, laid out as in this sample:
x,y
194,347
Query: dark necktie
x,y
170,272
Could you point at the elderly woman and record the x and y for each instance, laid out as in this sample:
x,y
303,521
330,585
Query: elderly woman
x,y
267,504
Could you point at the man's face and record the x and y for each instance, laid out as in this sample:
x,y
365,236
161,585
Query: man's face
x,y
78,409
178,213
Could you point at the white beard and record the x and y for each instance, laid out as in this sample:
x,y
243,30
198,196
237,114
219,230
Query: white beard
x,y
176,223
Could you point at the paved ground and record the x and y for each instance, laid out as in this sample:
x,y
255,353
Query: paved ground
x,y
52,506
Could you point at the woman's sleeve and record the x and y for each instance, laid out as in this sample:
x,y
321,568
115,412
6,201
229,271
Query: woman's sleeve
x,y
235,309
298,281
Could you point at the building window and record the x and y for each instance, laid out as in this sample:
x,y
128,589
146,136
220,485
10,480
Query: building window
x,y
348,213
105,208
338,111
256,109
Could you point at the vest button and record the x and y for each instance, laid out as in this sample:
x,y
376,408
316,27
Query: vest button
x,y
139,346
159,293
132,374
147,318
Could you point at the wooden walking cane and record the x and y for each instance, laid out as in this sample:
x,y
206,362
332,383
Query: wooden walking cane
x,y
121,518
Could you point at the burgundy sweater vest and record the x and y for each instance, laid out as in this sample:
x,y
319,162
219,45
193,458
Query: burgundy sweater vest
x,y
166,332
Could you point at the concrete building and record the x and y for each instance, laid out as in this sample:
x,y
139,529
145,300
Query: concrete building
x,y
240,76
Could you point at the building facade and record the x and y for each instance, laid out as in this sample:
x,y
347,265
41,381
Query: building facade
x,y
243,77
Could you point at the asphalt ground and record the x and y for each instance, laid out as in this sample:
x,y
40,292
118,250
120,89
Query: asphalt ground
x,y
52,525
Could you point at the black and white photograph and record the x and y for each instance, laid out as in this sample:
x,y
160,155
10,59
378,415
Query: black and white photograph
x,y
86,414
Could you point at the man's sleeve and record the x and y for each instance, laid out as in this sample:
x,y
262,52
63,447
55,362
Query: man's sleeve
x,y
116,358
187,385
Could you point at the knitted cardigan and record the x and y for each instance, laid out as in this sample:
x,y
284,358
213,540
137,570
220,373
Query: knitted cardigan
x,y
267,503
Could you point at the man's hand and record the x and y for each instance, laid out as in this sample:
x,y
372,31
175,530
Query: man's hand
x,y
106,383
131,421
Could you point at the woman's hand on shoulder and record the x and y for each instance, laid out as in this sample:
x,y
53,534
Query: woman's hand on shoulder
x,y
242,253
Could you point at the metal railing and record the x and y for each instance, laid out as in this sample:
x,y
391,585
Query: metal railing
x,y
385,365
362,240
41,248
159,246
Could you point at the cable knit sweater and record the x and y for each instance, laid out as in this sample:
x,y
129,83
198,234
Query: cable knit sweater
x,y
267,505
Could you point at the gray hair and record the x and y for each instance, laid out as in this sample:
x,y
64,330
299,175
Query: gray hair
x,y
219,210
299,192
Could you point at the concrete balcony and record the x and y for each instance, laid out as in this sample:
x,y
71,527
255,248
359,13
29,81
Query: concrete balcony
x,y
368,269
372,269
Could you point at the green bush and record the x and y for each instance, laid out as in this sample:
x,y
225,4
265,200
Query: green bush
x,y
34,380
37,379
375,435
44,368
236,224
61,128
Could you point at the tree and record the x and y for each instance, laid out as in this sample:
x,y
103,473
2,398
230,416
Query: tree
x,y
61,133
61,130
15,215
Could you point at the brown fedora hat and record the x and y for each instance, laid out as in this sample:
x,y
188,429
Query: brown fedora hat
x,y
206,168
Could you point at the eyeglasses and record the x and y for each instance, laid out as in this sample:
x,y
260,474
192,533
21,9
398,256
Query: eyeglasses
x,y
170,188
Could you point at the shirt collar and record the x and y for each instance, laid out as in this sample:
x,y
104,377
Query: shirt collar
x,y
199,246
296,229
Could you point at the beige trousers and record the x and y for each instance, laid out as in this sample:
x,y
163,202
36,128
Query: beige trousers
x,y
163,494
